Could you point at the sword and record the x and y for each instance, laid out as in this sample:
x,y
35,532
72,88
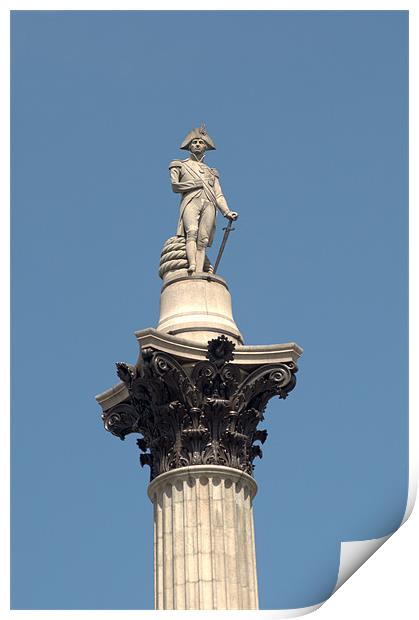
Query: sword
x,y
227,231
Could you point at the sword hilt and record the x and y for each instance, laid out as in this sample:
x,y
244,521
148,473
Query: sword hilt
x,y
229,225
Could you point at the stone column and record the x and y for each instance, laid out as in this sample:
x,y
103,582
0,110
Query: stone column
x,y
204,548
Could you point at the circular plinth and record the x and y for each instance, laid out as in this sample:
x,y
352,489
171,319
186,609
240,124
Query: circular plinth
x,y
197,307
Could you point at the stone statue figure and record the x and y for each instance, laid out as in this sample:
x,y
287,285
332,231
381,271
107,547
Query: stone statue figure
x,y
201,197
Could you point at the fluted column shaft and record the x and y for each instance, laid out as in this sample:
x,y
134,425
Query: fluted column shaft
x,y
204,549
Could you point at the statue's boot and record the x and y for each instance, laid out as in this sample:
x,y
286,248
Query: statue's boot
x,y
200,259
191,254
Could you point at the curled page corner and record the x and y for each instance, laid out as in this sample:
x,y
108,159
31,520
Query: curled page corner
x,y
353,554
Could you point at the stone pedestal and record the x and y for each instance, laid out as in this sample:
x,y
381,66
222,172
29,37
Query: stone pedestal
x,y
197,307
204,549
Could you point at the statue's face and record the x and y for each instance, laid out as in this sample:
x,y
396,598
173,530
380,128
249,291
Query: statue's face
x,y
198,146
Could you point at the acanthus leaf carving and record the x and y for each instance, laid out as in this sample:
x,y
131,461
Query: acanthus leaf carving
x,y
200,413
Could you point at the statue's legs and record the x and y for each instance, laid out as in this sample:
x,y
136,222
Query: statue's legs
x,y
200,259
206,225
191,249
190,222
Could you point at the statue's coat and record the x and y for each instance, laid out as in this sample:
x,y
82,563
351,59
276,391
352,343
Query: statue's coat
x,y
185,176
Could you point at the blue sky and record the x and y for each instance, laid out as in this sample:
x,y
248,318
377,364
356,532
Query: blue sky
x,y
309,114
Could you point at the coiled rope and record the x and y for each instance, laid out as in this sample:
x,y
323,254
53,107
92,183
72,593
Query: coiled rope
x,y
173,257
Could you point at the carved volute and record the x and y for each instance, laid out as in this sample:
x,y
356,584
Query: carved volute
x,y
197,413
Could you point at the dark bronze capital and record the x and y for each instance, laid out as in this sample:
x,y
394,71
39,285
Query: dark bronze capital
x,y
197,413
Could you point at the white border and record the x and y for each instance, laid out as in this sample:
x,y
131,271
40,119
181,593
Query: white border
x,y
397,598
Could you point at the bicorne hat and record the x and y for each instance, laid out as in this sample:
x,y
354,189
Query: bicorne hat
x,y
199,132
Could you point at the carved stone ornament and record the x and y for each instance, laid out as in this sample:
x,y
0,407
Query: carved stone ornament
x,y
197,413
